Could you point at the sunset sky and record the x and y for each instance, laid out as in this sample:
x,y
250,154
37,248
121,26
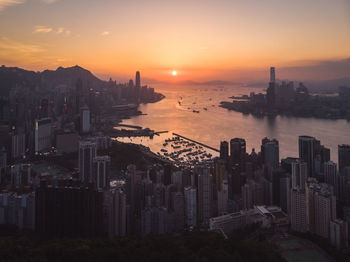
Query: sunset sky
x,y
206,39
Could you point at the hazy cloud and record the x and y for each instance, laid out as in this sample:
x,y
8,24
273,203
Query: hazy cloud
x,y
6,3
105,33
42,29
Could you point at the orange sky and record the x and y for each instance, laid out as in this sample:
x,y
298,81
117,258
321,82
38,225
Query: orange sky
x,y
199,39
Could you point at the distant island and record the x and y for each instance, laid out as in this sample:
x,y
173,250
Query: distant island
x,y
284,99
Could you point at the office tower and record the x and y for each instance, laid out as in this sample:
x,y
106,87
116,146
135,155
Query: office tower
x,y
204,193
101,172
307,152
343,156
138,79
321,207
270,152
224,150
190,207
87,153
339,233
298,210
179,211
18,148
85,120
272,75
330,173
299,174
43,135
69,212
238,152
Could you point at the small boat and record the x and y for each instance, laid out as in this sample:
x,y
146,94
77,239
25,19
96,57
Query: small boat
x,y
205,108
195,111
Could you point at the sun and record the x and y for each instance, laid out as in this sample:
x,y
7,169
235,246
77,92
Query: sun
x,y
174,73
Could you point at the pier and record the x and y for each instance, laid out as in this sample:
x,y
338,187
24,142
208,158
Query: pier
x,y
199,143
130,126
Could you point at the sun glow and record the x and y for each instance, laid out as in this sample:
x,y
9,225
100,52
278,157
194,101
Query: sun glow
x,y
174,73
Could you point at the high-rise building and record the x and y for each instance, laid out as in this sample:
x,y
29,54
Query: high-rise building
x,y
299,174
339,233
138,79
115,210
343,156
190,207
272,75
69,212
224,150
42,134
238,152
21,175
179,211
270,152
223,198
87,153
85,120
298,210
18,148
307,152
101,172
321,207
330,173
204,193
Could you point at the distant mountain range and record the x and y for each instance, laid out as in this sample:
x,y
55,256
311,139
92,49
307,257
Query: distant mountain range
x,y
11,77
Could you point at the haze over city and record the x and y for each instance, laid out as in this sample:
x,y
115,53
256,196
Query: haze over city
x,y
201,40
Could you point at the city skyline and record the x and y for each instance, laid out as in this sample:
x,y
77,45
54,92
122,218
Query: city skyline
x,y
209,41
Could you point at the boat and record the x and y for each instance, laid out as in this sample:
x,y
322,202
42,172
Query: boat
x,y
195,111
165,144
205,108
164,150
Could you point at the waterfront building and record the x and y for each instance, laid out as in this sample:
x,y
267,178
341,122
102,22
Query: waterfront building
x,y
204,193
238,152
224,150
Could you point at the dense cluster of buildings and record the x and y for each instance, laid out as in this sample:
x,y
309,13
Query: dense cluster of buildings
x,y
306,194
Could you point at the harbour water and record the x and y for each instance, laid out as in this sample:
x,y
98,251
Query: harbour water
x,y
194,112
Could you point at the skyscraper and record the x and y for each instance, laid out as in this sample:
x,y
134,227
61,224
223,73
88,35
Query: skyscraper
x,y
298,210
85,120
101,172
87,152
204,193
343,156
272,75
238,152
270,152
307,152
299,174
190,207
224,150
138,79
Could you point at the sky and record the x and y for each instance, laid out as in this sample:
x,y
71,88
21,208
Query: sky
x,y
200,40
